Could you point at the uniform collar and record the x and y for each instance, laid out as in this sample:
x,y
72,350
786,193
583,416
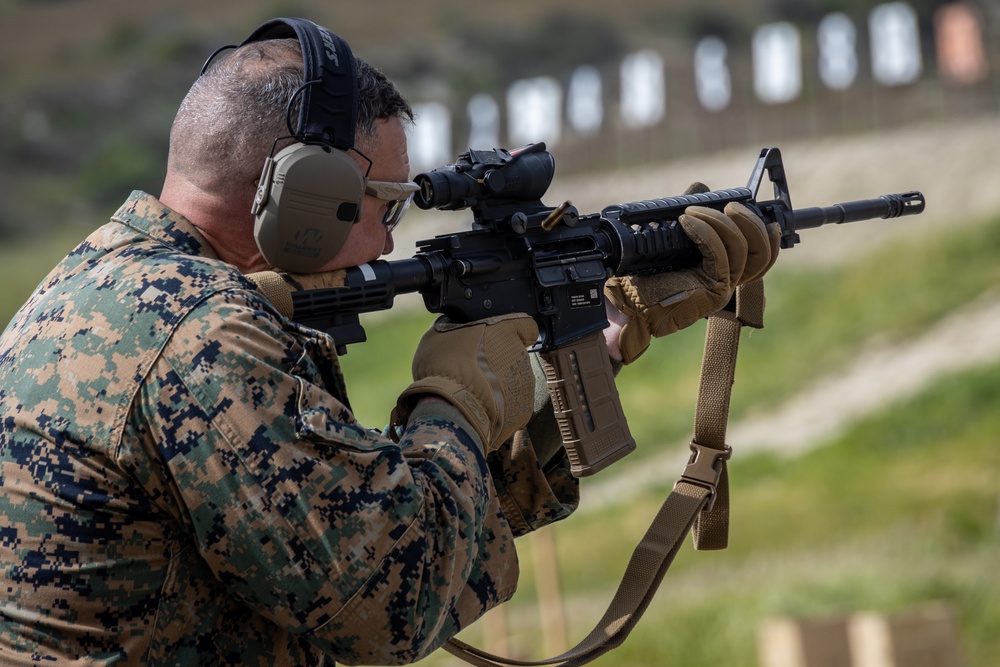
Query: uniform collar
x,y
146,214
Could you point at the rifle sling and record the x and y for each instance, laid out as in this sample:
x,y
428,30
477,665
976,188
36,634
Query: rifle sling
x,y
699,500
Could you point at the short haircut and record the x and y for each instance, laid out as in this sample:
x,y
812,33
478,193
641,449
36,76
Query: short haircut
x,y
231,117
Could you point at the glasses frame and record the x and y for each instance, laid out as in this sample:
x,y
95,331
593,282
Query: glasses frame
x,y
396,195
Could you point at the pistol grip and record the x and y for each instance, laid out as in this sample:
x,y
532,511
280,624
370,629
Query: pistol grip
x,y
586,404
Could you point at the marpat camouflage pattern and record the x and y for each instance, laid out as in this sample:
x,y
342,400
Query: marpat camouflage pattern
x,y
182,480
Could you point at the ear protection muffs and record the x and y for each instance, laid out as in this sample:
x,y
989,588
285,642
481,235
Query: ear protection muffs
x,y
308,199
310,193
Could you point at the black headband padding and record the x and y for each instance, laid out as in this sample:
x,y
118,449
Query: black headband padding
x,y
328,111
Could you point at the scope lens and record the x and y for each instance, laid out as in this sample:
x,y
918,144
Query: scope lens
x,y
425,196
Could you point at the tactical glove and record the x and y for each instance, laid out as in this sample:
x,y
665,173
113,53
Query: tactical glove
x,y
736,248
482,368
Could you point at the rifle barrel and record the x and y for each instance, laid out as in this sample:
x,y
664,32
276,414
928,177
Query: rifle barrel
x,y
886,206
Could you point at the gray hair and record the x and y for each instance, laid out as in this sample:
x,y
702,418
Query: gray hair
x,y
231,117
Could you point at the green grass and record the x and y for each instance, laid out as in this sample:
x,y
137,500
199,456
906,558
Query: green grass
x,y
379,369
898,512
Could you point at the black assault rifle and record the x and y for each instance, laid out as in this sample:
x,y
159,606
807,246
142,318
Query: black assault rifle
x,y
551,263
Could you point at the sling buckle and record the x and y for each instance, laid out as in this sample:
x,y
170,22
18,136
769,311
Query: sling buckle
x,y
704,469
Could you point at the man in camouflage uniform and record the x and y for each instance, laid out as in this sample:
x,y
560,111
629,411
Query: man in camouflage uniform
x,y
183,481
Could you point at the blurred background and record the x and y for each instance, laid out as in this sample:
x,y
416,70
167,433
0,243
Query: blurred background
x,y
864,418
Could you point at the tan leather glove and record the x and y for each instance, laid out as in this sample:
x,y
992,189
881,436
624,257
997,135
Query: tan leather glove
x,y
736,248
482,368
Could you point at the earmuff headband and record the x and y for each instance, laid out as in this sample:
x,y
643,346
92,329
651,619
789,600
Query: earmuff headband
x,y
328,113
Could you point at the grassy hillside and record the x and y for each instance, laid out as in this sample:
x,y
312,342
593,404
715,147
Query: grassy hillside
x,y
900,510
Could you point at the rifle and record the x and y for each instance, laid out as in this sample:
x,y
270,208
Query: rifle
x,y
551,263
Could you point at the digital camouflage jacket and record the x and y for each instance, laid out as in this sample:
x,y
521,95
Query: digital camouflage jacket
x,y
182,481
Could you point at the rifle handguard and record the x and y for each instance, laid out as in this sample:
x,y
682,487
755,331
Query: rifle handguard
x,y
586,404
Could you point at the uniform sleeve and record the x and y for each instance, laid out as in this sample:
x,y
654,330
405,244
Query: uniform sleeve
x,y
531,472
532,495
377,552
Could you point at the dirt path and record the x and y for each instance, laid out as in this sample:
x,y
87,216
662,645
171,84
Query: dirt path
x,y
882,375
